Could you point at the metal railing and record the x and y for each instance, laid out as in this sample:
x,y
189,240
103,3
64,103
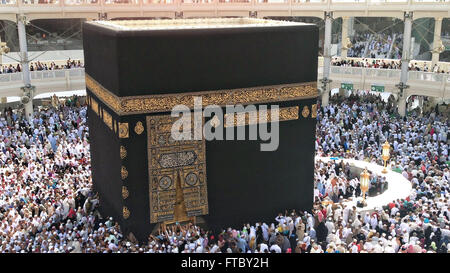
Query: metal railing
x,y
383,73
393,74
80,2
389,73
40,2
420,82
9,78
168,2
426,76
424,83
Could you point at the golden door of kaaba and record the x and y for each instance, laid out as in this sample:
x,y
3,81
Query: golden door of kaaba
x,y
175,164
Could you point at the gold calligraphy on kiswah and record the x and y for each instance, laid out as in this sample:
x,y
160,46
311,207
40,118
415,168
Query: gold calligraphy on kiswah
x,y
165,103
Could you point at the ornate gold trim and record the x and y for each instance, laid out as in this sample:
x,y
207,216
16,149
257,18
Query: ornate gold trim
x,y
164,103
107,119
94,106
124,172
139,128
123,152
125,192
125,212
288,113
284,114
102,93
314,110
123,130
305,112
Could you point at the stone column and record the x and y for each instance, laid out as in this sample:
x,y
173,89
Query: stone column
x,y
344,37
3,99
436,41
421,102
326,58
1,55
405,63
27,88
351,25
325,98
402,106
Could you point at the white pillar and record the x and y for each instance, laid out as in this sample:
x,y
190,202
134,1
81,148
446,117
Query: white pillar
x,y
405,63
327,45
436,40
344,37
29,109
402,106
406,47
431,103
351,24
21,20
3,100
1,55
325,98
326,58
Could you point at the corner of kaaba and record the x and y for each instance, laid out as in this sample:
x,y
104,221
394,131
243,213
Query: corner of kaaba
x,y
137,71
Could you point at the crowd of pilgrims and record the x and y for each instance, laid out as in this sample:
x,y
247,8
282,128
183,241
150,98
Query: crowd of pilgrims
x,y
336,182
359,41
378,45
39,66
386,64
47,204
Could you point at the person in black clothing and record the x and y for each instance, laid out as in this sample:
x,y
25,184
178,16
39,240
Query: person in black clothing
x,y
321,232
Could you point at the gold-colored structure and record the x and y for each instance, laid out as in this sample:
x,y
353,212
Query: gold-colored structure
x,y
177,171
364,183
131,105
180,212
385,155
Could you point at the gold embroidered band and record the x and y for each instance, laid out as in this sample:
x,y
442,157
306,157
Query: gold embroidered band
x,y
252,117
164,103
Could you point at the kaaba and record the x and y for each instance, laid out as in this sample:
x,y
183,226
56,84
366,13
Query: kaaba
x,y
137,71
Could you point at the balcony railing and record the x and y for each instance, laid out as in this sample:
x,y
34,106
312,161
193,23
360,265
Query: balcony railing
x,y
197,1
383,73
40,2
121,2
9,78
389,73
80,2
426,76
137,2
393,74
